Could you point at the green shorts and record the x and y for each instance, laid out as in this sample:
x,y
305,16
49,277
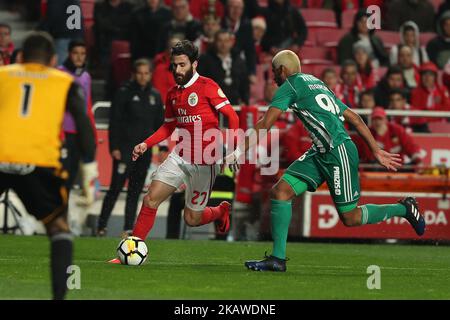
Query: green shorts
x,y
338,167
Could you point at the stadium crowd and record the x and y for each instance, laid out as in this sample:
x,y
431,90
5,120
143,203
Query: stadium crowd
x,y
403,66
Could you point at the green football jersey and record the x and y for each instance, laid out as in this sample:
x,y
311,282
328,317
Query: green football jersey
x,y
316,106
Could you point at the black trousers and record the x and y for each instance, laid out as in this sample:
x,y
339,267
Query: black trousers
x,y
135,172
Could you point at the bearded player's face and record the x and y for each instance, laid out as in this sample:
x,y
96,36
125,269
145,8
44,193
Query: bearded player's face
x,y
182,69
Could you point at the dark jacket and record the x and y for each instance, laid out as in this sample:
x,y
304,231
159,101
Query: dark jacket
x,y
345,46
244,43
111,23
146,29
135,114
285,26
438,49
210,66
400,11
190,30
55,21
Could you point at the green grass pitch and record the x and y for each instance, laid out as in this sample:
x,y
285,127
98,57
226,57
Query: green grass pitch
x,y
178,269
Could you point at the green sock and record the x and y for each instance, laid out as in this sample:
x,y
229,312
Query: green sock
x,y
374,213
281,218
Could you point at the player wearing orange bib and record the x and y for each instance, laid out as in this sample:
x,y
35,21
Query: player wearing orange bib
x,y
33,98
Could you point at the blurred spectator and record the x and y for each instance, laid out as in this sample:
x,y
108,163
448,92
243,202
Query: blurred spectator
x,y
330,78
146,27
203,8
367,101
286,27
393,79
259,29
75,64
445,6
367,72
340,6
6,44
136,113
410,70
446,76
429,95
55,23
182,24
294,141
390,137
162,78
226,68
317,4
348,91
398,101
241,27
419,11
251,8
438,49
112,20
360,32
410,36
210,25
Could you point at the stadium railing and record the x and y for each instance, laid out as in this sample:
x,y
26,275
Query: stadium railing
x,y
98,106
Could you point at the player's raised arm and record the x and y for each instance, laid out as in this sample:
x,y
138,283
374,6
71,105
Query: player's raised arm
x,y
386,159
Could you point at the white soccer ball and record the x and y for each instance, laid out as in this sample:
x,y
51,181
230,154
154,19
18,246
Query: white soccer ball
x,y
132,251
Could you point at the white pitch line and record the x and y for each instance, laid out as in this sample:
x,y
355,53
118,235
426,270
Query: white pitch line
x,y
296,266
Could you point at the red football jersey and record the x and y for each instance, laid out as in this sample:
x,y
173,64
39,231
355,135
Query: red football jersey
x,y
194,107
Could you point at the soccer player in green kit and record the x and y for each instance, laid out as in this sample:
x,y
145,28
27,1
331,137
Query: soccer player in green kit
x,y
332,158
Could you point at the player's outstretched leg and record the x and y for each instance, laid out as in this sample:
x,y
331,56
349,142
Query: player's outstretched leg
x,y
221,214
373,213
60,254
157,193
413,215
281,213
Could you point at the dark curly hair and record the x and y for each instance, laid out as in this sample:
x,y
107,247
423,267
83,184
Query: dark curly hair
x,y
187,48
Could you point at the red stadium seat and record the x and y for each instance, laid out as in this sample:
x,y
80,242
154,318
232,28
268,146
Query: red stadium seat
x,y
439,127
315,55
310,39
329,39
87,8
347,18
319,18
89,36
389,38
307,68
120,61
425,37
120,49
318,69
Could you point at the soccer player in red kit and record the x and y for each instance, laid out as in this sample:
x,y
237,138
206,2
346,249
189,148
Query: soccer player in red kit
x,y
193,106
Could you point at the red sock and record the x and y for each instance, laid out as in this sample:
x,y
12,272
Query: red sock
x,y
144,222
211,214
